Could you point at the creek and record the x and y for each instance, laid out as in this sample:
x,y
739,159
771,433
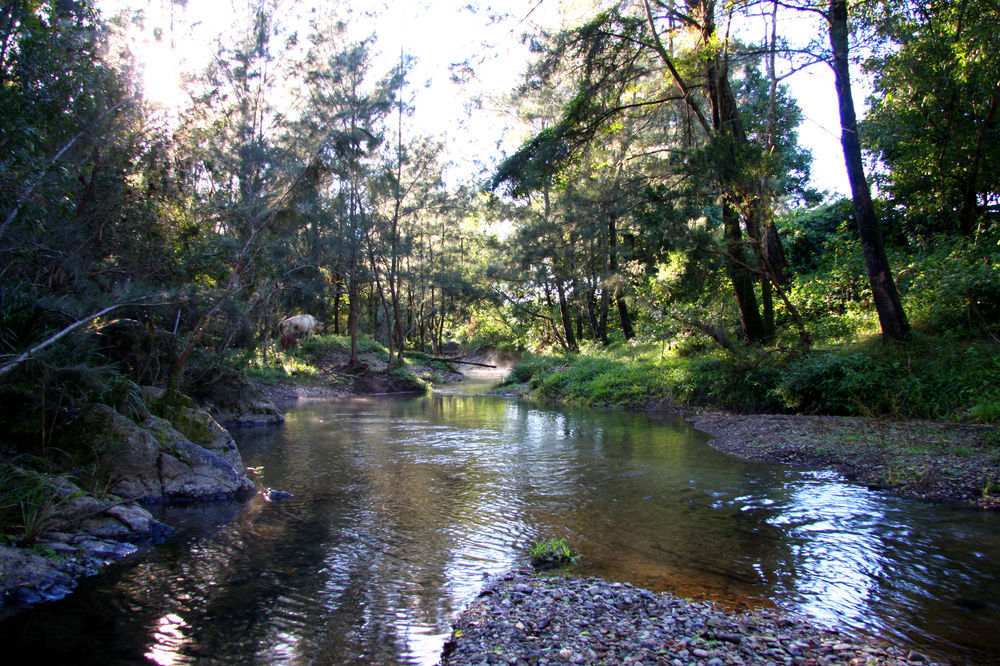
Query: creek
x,y
401,506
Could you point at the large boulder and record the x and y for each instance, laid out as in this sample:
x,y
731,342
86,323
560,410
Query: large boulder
x,y
189,472
134,453
76,512
29,578
188,457
234,401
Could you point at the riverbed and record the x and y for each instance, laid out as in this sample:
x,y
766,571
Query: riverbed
x,y
402,506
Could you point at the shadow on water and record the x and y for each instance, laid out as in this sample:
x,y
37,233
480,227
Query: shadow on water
x,y
401,507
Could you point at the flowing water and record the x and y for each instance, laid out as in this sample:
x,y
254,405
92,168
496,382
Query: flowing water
x,y
401,506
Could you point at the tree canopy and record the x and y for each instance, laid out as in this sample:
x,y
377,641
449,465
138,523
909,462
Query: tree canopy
x,y
660,194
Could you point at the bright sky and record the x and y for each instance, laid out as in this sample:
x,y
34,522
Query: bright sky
x,y
441,33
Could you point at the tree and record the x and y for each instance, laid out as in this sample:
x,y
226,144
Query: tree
x,y
620,61
891,316
407,188
83,180
935,114
243,178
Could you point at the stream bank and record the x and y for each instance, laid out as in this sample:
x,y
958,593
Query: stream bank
x,y
946,462
157,451
154,454
921,459
522,618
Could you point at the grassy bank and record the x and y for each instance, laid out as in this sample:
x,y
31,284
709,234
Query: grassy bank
x,y
878,399
926,378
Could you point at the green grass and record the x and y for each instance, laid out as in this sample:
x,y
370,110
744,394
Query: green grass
x,y
29,501
928,377
315,358
552,553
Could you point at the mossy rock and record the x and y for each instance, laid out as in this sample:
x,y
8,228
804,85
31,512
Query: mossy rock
x,y
188,457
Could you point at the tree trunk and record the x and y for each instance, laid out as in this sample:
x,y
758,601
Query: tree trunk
x,y
440,328
552,322
728,132
353,309
968,213
591,302
623,314
891,316
741,277
336,309
567,317
602,323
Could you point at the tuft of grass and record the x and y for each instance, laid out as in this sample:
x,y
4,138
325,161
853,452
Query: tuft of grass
x,y
29,501
552,553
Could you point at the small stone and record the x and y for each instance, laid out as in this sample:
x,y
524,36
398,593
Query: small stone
x,y
565,653
701,654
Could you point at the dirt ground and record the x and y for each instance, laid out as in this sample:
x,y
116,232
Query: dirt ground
x,y
926,459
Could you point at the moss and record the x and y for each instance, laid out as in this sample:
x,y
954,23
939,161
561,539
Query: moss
x,y
195,424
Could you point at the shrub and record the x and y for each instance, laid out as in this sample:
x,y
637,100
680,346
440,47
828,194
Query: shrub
x,y
954,288
830,383
531,369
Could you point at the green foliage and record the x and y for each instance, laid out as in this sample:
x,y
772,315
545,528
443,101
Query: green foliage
x,y
717,379
932,119
953,287
404,380
29,501
532,369
808,233
835,383
620,382
552,553
925,378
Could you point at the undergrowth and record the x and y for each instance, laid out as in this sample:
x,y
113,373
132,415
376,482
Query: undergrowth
x,y
925,378
313,359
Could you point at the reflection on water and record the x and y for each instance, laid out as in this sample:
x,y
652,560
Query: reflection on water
x,y
401,506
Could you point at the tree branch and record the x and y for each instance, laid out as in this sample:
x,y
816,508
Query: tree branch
x,y
668,61
30,187
10,365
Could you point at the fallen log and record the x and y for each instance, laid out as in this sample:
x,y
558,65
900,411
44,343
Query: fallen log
x,y
459,360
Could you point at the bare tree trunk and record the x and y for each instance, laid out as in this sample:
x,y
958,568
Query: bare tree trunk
x,y
623,314
891,316
440,327
353,313
336,309
741,277
602,323
551,320
567,318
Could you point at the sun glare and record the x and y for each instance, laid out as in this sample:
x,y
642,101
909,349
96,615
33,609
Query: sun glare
x,y
161,78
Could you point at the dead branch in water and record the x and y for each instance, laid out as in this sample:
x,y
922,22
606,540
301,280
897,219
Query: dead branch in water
x,y
459,360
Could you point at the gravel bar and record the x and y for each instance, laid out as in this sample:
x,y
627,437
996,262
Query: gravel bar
x,y
521,618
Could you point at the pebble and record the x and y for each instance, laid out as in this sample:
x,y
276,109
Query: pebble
x,y
559,620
